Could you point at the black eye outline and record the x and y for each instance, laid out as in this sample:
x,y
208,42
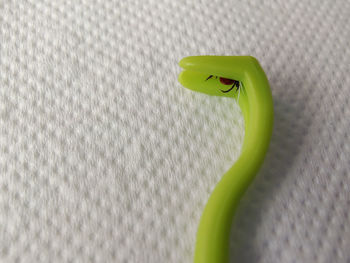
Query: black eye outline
x,y
211,77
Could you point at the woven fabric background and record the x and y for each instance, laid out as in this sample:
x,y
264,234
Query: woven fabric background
x,y
104,157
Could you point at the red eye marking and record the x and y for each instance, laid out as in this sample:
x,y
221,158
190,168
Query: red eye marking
x,y
227,81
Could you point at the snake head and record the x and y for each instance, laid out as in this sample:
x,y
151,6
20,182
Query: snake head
x,y
213,74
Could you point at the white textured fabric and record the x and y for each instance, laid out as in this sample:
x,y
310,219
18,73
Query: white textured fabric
x,y
104,157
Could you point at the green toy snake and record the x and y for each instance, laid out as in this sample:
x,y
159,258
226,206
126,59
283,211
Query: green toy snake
x,y
239,77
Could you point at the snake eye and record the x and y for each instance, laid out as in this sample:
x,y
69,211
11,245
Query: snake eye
x,y
225,81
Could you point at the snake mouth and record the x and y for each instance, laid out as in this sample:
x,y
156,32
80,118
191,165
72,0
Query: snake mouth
x,y
225,91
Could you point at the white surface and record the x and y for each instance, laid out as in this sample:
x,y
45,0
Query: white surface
x,y
104,157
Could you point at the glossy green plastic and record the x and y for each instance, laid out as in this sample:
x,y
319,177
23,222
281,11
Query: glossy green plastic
x,y
255,100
